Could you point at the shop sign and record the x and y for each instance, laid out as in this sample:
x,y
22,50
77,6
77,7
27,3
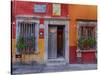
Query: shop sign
x,y
40,8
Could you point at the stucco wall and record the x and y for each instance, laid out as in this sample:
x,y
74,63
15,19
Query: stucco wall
x,y
85,12
79,12
27,8
73,12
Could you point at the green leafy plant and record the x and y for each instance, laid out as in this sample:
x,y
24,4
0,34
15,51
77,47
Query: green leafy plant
x,y
20,44
86,43
92,42
80,43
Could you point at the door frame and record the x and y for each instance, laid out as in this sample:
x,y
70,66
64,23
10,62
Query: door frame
x,y
52,21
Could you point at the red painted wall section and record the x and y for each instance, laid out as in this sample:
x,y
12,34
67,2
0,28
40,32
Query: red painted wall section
x,y
64,9
41,21
88,57
72,55
27,8
13,22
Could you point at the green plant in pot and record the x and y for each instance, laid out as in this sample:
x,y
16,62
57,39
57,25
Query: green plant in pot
x,y
20,44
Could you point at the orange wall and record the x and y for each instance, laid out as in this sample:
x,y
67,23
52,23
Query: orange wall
x,y
79,12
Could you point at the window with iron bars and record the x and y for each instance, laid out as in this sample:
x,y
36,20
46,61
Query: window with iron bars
x,y
27,37
87,35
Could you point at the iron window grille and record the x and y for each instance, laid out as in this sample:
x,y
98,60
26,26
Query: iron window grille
x,y
86,35
27,31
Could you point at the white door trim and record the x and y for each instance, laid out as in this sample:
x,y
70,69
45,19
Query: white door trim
x,y
57,22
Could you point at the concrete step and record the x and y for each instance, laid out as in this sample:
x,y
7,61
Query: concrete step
x,y
54,62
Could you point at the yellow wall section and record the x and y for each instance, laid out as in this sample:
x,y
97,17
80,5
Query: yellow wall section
x,y
13,50
79,12
39,57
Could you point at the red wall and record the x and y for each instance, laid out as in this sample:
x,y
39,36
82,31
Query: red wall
x,y
27,8
88,57
72,54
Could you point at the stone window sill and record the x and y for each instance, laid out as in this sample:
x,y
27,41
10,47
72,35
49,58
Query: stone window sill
x,y
92,50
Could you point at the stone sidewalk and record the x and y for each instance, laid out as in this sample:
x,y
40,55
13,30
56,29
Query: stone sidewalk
x,y
24,69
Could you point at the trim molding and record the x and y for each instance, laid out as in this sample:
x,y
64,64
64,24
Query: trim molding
x,y
38,17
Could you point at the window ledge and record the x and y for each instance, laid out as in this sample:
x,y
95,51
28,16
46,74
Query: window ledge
x,y
36,52
33,52
91,50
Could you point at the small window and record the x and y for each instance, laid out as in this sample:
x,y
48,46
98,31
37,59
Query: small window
x,y
86,35
27,37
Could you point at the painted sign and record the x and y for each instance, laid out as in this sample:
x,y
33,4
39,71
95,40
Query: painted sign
x,y
56,9
41,33
40,8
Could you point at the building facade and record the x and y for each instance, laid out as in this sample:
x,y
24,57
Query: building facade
x,y
53,33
